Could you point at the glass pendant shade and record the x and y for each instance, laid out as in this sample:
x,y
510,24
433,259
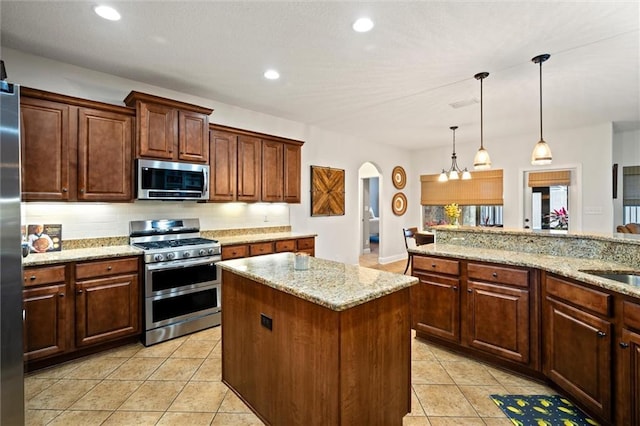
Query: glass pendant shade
x,y
443,176
481,161
541,154
465,174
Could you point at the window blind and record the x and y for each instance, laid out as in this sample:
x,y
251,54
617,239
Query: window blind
x,y
631,186
550,178
483,189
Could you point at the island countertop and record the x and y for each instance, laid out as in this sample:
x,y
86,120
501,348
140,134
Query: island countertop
x,y
327,283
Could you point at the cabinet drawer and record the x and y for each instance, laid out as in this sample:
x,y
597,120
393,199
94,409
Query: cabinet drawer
x,y
434,264
498,274
107,267
593,300
260,248
631,314
285,245
306,243
47,275
235,252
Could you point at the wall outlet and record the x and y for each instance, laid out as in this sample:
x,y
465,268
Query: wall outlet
x,y
266,322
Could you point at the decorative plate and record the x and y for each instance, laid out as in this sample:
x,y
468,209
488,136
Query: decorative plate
x,y
399,204
399,177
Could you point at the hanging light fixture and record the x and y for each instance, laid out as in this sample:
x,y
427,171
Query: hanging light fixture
x,y
541,152
481,161
454,171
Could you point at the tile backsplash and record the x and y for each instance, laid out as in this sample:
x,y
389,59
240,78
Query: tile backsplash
x,y
97,220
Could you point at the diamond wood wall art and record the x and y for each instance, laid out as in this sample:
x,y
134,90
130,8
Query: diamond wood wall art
x,y
327,191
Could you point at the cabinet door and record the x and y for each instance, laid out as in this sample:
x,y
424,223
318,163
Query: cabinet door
x,y
249,168
193,136
272,167
104,155
223,163
158,131
46,140
435,306
45,321
498,320
577,354
630,377
292,170
106,309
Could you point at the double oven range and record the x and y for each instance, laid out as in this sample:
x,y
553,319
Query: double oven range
x,y
182,283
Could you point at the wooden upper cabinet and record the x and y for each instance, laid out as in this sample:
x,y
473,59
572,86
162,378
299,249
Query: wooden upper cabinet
x,y
47,142
169,129
249,168
292,172
74,149
223,162
272,169
104,155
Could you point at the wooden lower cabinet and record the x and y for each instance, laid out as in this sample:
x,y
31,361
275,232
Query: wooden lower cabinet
x,y
577,346
629,405
64,315
435,305
236,251
45,326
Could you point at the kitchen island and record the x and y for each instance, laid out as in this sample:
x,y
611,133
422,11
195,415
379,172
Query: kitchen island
x,y
326,345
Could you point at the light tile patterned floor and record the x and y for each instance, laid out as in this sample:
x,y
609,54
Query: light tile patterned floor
x,y
179,383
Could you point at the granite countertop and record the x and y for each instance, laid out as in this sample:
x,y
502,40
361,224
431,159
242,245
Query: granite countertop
x,y
569,267
255,238
79,254
334,285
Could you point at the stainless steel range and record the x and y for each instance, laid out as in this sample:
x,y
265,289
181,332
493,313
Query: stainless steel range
x,y
182,282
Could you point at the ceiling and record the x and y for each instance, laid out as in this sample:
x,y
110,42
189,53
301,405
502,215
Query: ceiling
x,y
393,85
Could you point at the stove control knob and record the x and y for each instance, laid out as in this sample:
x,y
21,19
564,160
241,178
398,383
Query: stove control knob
x,y
158,257
171,256
211,251
202,252
186,254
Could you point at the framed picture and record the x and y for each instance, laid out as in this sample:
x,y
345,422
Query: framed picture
x,y
327,191
42,238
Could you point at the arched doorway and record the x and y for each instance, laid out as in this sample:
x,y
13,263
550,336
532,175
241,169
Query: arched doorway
x,y
370,213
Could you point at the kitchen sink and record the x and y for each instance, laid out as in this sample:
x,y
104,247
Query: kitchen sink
x,y
631,279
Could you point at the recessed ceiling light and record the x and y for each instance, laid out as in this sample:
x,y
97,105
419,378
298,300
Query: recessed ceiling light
x,y
271,75
107,12
363,25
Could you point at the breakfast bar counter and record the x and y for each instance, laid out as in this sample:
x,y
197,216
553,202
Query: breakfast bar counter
x,y
330,344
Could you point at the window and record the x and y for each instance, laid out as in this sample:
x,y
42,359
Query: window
x,y
631,194
471,216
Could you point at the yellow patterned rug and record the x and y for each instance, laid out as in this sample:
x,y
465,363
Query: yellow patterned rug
x,y
542,410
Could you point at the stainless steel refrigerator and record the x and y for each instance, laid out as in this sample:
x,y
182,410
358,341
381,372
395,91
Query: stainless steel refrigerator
x,y
11,367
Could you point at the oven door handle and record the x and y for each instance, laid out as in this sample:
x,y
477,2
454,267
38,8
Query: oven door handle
x,y
182,263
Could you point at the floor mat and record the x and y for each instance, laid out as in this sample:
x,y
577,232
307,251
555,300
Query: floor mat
x,y
541,410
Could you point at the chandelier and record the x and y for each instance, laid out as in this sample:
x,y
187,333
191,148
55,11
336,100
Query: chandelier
x,y
454,171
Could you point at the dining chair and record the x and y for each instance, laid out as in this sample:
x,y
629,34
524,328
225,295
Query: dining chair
x,y
409,240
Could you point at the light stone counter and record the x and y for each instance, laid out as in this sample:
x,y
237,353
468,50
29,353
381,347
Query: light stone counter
x,y
565,266
79,254
334,285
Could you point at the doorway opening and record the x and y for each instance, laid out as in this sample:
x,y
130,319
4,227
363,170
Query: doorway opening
x,y
370,229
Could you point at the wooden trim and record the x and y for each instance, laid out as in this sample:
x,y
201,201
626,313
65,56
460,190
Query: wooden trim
x,y
134,96
71,100
485,188
550,178
219,127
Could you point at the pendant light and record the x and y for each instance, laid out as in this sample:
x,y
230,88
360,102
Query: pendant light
x,y
481,161
541,152
454,171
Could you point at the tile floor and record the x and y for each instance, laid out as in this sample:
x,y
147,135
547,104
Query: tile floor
x,y
178,383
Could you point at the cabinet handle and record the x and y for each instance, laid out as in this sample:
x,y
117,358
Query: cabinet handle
x,y
601,334
32,277
495,274
81,191
455,288
109,268
79,291
624,345
61,294
433,265
64,190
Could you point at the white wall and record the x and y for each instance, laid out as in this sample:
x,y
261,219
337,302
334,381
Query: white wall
x,y
589,148
626,152
338,236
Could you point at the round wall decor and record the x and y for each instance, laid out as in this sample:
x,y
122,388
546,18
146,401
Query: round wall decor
x,y
399,204
399,177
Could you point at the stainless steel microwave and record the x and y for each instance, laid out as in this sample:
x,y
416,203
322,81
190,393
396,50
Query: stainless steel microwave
x,y
169,180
